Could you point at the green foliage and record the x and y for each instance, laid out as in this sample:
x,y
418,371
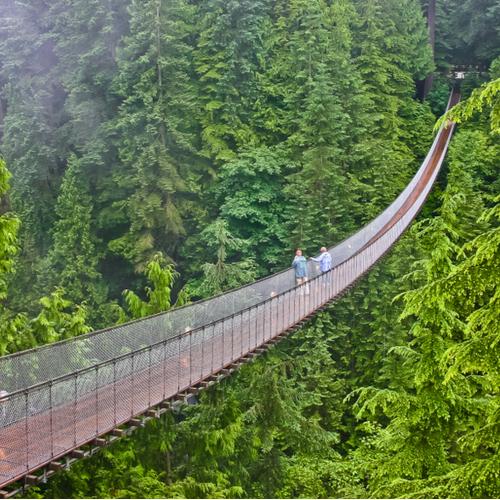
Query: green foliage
x,y
250,195
12,332
159,296
228,59
58,319
495,68
73,260
31,118
221,134
223,275
393,50
439,94
441,438
467,32
156,134
9,225
486,97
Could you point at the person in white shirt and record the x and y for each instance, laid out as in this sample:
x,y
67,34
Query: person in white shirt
x,y
325,260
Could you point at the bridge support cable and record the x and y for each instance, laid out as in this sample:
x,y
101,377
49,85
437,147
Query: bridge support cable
x,y
72,393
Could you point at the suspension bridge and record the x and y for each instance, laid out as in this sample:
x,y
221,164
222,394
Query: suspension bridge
x,y
66,400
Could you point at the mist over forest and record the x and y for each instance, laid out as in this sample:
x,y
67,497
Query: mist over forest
x,y
158,152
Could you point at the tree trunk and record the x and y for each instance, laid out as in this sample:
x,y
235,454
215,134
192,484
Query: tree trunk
x,y
431,23
2,116
425,85
169,467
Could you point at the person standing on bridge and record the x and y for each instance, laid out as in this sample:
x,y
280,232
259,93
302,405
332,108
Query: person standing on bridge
x,y
3,411
325,260
300,265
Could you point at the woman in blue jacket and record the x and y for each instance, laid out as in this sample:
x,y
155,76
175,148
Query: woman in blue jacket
x,y
300,265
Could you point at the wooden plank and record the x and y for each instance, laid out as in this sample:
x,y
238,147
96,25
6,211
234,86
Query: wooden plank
x,y
6,494
78,454
48,474
100,442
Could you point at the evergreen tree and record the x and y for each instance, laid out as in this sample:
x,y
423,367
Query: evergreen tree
x,y
433,418
229,58
156,132
249,194
320,81
222,275
73,260
392,51
34,99
159,298
486,97
9,226
86,36
467,32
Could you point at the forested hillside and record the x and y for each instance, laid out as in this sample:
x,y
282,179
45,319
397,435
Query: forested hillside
x,y
162,151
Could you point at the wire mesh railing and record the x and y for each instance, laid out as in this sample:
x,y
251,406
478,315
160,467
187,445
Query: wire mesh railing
x,y
64,395
48,362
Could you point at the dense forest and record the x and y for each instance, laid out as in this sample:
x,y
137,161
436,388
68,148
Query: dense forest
x,y
155,152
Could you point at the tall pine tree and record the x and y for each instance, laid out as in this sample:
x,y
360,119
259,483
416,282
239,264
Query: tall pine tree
x,y
155,129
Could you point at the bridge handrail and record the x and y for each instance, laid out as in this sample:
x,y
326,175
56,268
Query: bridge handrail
x,y
49,419
283,281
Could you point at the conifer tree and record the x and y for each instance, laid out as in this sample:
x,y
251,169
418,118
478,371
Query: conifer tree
x,y
392,52
86,36
249,194
222,275
434,418
318,63
56,320
161,276
155,129
486,97
9,226
467,32
33,99
229,57
72,262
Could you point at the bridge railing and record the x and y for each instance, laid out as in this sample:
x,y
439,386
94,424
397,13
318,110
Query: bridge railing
x,y
56,417
28,368
52,418
40,422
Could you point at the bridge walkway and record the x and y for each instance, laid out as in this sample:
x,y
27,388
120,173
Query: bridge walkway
x,y
79,392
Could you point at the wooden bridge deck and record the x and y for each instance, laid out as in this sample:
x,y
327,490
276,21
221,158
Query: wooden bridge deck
x,y
82,406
